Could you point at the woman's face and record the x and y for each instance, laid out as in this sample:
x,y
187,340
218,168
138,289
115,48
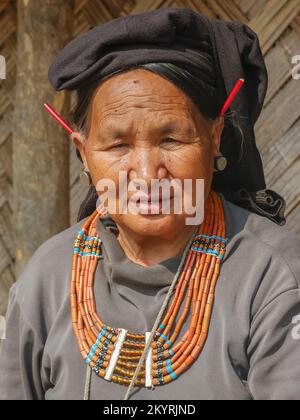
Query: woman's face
x,y
142,124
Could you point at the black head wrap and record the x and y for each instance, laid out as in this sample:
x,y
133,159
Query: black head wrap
x,y
214,51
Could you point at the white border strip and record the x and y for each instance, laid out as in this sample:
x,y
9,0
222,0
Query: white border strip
x,y
115,355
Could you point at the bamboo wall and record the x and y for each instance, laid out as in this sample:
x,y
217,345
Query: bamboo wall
x,y
277,23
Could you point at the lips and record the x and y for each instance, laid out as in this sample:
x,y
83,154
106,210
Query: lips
x,y
154,206
159,200
153,199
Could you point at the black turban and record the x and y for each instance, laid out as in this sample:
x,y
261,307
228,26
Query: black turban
x,y
217,52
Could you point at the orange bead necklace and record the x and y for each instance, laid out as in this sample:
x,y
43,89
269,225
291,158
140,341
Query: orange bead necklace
x,y
114,353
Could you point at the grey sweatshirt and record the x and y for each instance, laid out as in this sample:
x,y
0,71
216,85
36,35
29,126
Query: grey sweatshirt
x,y
253,348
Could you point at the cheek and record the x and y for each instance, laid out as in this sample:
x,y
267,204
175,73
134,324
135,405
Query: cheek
x,y
105,165
190,162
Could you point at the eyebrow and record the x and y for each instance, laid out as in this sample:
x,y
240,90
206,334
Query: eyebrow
x,y
173,126
166,128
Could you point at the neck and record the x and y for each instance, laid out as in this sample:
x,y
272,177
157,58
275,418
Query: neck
x,y
147,251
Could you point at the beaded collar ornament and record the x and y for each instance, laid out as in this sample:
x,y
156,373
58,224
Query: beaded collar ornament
x,y
113,353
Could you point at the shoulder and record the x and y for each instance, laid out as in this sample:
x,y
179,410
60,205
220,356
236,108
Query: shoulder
x,y
57,245
268,237
44,283
52,255
278,240
266,255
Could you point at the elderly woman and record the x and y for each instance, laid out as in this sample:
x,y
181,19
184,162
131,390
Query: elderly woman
x,y
144,305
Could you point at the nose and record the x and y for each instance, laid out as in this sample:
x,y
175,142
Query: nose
x,y
147,164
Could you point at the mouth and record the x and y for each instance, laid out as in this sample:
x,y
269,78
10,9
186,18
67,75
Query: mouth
x,y
159,199
153,198
154,205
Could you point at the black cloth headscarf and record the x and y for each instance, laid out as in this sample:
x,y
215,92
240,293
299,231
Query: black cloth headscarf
x,y
214,51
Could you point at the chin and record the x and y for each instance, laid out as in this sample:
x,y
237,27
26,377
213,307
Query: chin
x,y
154,225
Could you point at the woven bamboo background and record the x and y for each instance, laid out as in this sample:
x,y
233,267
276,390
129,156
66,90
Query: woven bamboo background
x,y
277,23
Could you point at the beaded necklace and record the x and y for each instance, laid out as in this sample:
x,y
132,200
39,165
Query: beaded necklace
x,y
113,353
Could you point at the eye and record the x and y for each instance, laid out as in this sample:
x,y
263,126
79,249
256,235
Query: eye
x,y
119,146
170,141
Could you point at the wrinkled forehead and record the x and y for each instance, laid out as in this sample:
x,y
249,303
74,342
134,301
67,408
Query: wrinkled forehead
x,y
139,83
145,95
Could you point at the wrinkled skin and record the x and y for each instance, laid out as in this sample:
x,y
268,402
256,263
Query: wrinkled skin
x,y
141,123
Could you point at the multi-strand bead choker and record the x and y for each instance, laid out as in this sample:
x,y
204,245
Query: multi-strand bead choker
x,y
113,353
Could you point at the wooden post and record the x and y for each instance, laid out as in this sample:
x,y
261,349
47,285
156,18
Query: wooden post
x,y
40,146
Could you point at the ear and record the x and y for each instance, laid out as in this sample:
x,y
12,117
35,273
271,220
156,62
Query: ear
x,y
217,129
78,139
